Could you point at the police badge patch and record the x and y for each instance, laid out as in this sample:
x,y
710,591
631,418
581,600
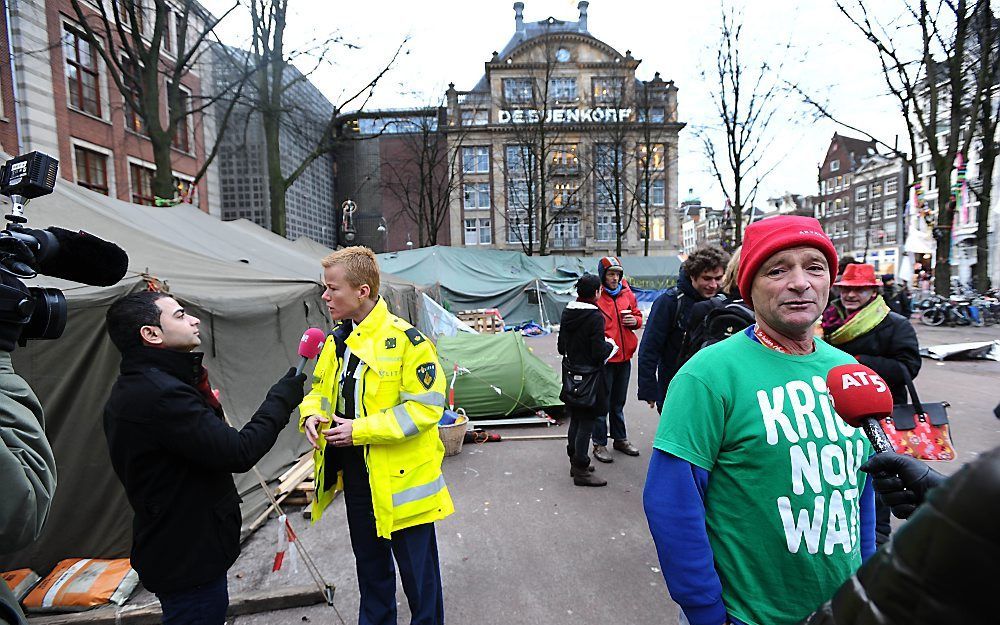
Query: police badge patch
x,y
426,373
390,343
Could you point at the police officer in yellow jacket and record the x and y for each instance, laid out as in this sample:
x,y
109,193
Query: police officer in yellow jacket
x,y
372,415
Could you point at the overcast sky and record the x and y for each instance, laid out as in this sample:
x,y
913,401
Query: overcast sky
x,y
450,40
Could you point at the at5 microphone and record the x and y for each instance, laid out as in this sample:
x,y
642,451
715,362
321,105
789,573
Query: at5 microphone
x,y
862,399
310,346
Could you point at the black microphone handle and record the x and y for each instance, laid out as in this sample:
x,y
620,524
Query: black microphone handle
x,y
880,442
302,365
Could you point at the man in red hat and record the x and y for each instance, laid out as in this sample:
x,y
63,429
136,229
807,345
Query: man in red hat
x,y
861,324
754,496
622,318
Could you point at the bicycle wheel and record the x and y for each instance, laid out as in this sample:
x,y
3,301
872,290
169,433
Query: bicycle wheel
x,y
932,317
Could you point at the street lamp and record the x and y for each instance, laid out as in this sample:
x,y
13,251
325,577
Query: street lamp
x,y
383,228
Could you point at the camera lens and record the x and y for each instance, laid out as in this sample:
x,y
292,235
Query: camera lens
x,y
49,318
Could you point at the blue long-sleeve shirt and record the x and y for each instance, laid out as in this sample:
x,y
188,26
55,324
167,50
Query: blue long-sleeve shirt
x,y
674,501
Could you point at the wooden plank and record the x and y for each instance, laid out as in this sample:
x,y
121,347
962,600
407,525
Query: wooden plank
x,y
304,459
296,477
252,602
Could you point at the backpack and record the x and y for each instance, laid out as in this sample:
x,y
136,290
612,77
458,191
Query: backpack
x,y
724,320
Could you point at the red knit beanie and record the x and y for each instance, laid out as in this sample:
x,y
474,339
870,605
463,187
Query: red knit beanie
x,y
767,237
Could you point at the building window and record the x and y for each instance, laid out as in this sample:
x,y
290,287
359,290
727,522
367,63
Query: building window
x,y
859,214
472,232
876,189
659,227
180,33
476,160
475,118
859,241
517,194
891,185
835,165
517,90
485,232
861,193
168,27
566,230
565,196
606,227
658,161
876,212
125,7
182,134
562,89
889,208
565,159
477,195
91,169
608,90
519,224
520,161
890,232
142,184
657,192
653,115
82,73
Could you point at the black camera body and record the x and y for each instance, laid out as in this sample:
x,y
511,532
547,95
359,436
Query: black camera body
x,y
41,313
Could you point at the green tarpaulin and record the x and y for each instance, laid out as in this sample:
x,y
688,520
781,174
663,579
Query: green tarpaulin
x,y
498,374
523,288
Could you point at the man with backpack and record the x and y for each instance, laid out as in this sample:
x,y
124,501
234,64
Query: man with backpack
x,y
719,317
660,348
622,318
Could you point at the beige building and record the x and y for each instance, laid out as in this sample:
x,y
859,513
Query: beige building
x,y
560,148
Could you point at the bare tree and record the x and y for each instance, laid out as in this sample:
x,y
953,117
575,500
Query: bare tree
x,y
150,50
271,97
746,98
541,157
939,86
423,174
988,43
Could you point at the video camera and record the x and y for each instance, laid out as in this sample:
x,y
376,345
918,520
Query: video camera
x,y
36,312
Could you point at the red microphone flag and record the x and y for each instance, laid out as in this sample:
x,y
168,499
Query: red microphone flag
x,y
859,393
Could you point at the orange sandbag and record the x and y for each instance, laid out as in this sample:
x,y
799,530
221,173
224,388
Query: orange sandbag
x,y
81,584
20,581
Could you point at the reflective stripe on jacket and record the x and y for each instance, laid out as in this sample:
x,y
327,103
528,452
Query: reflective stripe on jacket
x,y
400,391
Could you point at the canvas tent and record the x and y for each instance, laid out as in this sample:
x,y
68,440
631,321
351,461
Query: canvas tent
x,y
254,293
498,376
523,288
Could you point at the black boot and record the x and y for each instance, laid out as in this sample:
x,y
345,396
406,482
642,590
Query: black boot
x,y
584,476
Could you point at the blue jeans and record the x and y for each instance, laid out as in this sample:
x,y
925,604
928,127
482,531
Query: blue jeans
x,y
617,374
204,604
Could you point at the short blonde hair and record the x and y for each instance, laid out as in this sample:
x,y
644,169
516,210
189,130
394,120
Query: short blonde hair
x,y
360,267
732,269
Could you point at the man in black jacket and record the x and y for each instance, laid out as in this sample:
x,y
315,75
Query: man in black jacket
x,y
659,351
175,456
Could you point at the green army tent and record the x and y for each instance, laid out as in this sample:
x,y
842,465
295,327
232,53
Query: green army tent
x,y
253,291
498,376
523,288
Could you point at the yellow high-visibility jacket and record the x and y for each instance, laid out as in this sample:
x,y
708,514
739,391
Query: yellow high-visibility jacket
x,y
400,393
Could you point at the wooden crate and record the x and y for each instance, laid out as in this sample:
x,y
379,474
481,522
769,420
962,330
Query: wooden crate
x,y
484,320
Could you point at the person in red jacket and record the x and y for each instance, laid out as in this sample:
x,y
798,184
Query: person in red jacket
x,y
622,318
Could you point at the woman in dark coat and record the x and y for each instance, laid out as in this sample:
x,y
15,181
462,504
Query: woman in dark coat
x,y
861,324
582,343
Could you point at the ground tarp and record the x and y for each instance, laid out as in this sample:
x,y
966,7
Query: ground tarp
x,y
254,293
498,375
523,288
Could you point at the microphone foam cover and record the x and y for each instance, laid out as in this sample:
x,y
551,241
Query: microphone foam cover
x,y
858,393
311,343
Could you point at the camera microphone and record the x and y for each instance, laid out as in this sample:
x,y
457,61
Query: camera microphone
x,y
310,345
78,256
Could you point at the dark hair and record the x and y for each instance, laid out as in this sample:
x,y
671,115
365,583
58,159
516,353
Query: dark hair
x,y
129,314
587,285
844,262
705,259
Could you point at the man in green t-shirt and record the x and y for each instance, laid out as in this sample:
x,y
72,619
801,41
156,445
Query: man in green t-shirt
x,y
754,496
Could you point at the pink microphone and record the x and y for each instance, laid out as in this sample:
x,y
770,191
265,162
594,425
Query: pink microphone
x,y
310,346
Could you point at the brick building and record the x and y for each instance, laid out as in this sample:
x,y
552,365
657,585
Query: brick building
x,y
861,200
69,107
